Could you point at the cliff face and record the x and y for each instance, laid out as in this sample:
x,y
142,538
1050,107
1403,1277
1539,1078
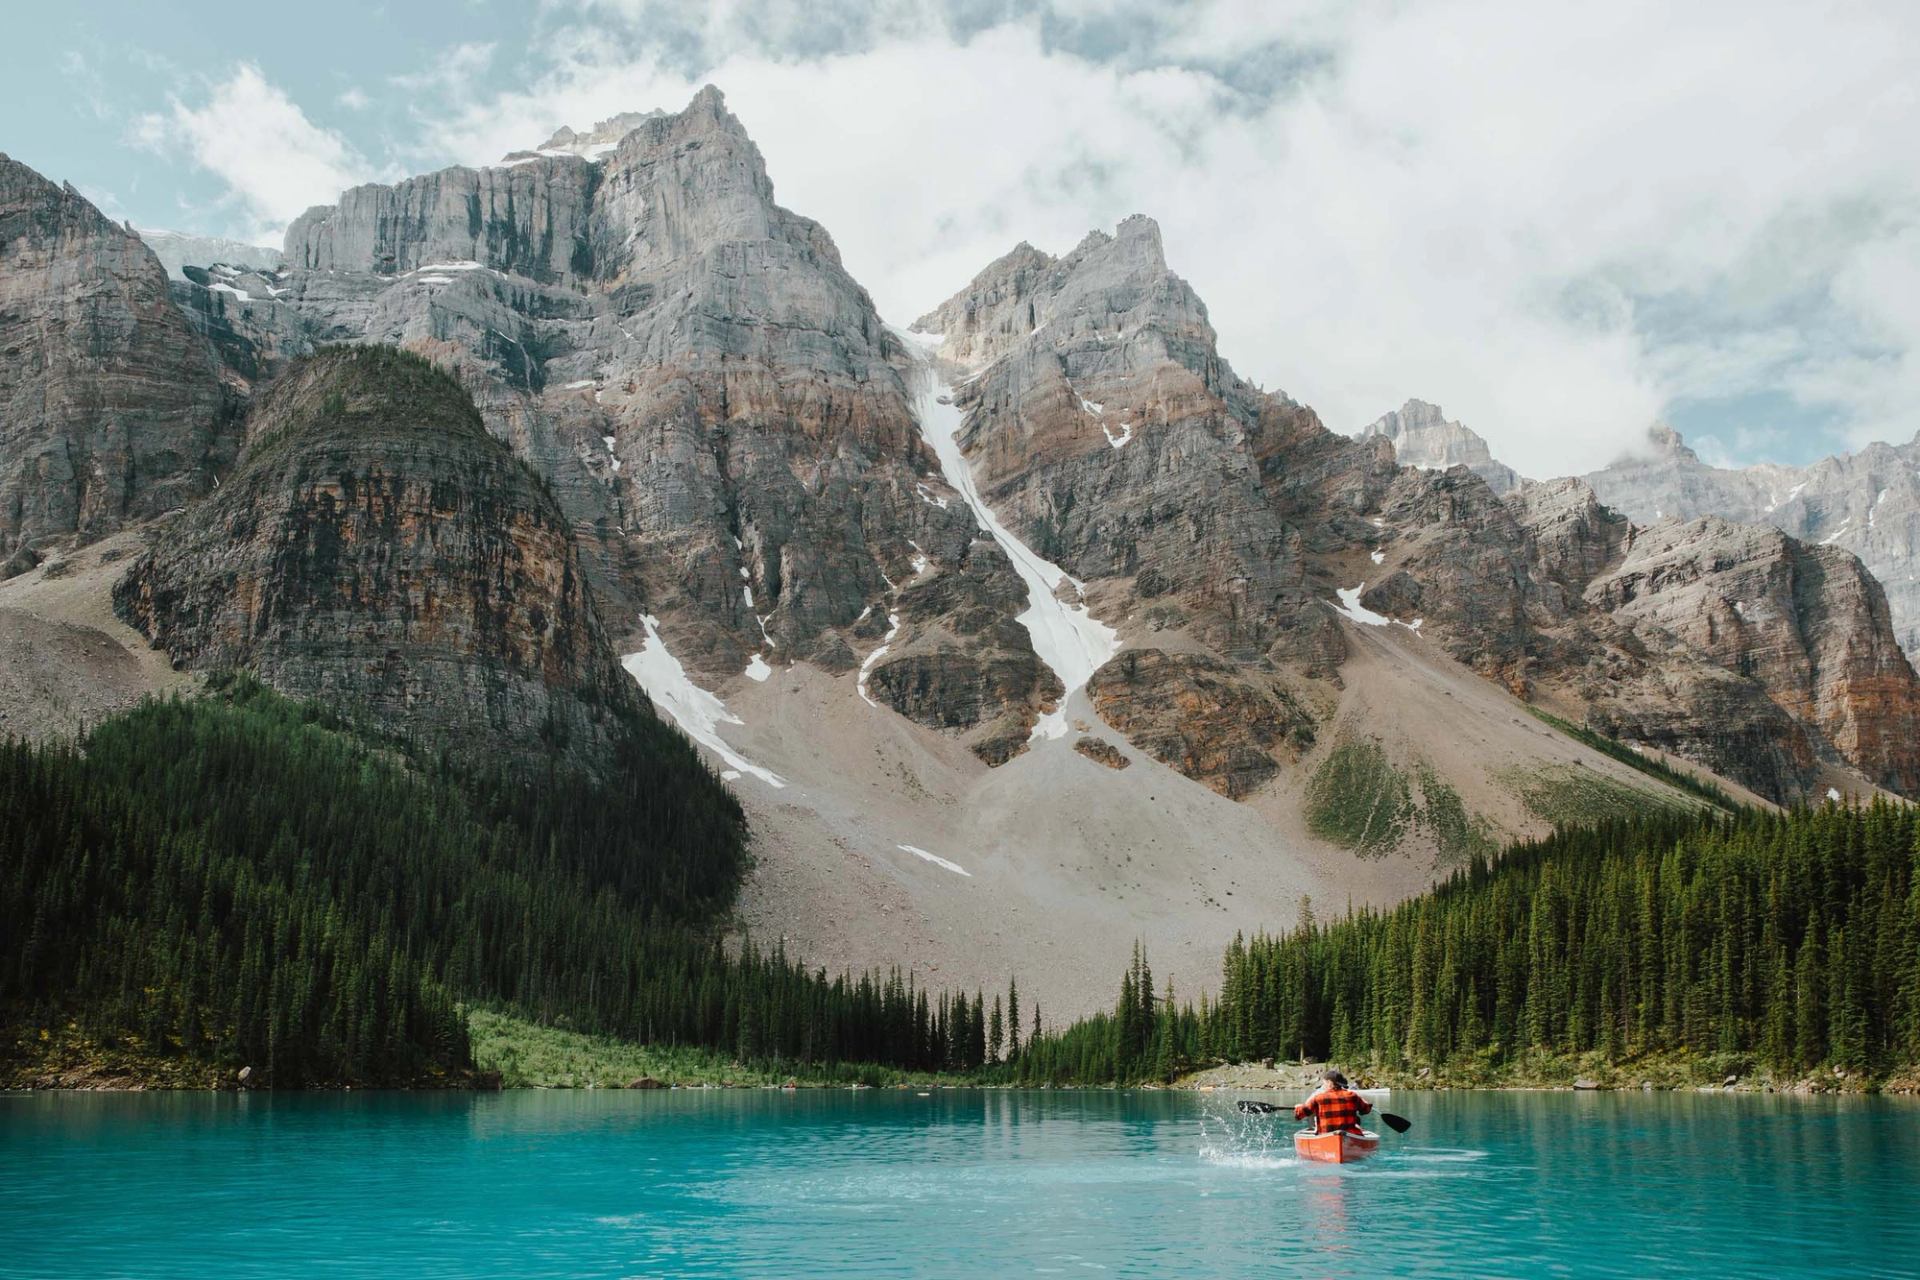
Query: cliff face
x,y
721,414
1809,624
1423,437
377,550
109,408
1866,502
1104,429
1232,529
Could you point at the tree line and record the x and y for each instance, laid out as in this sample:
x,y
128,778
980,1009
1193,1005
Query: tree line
x,y
1791,937
244,880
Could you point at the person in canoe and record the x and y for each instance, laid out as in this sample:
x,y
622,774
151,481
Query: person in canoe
x,y
1335,1107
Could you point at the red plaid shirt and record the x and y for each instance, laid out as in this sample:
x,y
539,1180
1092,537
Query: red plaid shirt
x,y
1333,1109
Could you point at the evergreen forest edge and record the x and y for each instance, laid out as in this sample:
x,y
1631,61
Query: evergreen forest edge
x,y
239,880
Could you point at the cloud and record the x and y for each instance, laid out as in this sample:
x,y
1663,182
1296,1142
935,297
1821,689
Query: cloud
x,y
274,161
1557,221
354,98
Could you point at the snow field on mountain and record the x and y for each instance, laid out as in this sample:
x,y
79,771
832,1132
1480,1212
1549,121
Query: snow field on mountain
x,y
1069,639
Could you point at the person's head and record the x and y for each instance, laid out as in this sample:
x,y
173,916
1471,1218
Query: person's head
x,y
1335,1079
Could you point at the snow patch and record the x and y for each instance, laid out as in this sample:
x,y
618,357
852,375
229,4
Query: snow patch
x,y
757,668
929,497
433,280
1118,440
1833,793
746,593
698,713
241,294
866,668
1378,557
575,386
1068,638
1095,409
1351,609
463,264
936,860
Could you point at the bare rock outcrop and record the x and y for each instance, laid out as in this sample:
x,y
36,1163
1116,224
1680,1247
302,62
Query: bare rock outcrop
x,y
1809,624
1867,502
1106,430
715,403
1213,721
110,411
378,550
1422,436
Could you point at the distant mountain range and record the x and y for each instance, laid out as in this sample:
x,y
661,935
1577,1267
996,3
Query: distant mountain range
x,y
1026,623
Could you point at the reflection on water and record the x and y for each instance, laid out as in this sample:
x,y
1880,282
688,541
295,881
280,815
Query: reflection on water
x,y
957,1184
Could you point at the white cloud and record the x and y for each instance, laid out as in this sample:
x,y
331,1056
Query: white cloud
x,y
1555,220
274,161
354,98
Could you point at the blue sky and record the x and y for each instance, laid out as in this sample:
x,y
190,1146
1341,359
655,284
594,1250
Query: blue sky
x,y
1560,222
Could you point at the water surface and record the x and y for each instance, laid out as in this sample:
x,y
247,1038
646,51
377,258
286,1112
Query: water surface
x,y
961,1183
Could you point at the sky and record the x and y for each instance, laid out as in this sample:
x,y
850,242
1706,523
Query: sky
x,y
1560,222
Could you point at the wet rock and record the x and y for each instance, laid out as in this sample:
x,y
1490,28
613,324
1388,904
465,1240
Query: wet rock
x,y
646,1082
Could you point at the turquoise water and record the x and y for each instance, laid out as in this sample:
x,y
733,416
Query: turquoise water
x,y
957,1184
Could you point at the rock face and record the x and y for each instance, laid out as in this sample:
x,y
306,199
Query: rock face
x,y
1423,437
110,411
1866,502
1104,428
715,403
378,550
1808,623
177,251
1224,521
1202,716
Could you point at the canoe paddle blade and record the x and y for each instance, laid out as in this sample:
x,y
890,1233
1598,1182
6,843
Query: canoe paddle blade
x,y
1253,1108
1399,1124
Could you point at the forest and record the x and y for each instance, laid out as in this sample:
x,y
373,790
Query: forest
x,y
1792,938
243,880
246,881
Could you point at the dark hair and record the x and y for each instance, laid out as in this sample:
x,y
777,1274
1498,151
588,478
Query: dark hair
x,y
1335,1078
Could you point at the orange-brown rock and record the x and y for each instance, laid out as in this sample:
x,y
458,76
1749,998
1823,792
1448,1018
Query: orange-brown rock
x,y
1213,721
1808,623
376,549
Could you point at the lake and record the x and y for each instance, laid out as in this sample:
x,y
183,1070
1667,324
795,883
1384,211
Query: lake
x,y
959,1183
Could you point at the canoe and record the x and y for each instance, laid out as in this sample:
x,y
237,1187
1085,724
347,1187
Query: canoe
x,y
1343,1147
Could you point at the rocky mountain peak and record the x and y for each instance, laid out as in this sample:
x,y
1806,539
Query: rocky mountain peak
x,y
1666,443
1107,287
1422,436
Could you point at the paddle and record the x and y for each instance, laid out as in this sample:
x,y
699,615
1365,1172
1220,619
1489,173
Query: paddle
x,y
1399,1124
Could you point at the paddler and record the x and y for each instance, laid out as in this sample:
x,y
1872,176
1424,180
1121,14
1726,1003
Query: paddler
x,y
1335,1106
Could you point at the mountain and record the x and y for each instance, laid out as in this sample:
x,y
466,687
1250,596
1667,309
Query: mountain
x,y
110,411
1030,625
721,413
1866,502
1423,437
376,549
178,250
1105,429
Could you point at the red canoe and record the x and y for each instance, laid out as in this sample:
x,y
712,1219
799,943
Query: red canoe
x,y
1343,1147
